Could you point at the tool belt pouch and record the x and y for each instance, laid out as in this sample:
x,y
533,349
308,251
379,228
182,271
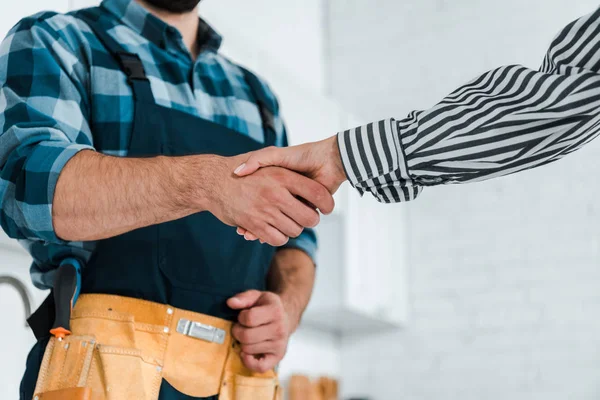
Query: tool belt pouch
x,y
82,367
239,387
65,369
239,383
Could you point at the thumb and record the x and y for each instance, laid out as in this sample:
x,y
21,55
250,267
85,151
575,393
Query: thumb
x,y
260,364
258,159
244,300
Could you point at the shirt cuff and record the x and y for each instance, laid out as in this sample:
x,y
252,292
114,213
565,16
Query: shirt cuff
x,y
307,242
41,172
374,161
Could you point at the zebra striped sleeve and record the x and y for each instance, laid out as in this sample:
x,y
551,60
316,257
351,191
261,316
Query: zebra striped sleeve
x,y
507,120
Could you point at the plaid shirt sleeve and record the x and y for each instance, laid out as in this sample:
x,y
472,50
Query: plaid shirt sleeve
x,y
43,119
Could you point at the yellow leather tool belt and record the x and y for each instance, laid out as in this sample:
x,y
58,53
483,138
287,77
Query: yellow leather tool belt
x,y
121,348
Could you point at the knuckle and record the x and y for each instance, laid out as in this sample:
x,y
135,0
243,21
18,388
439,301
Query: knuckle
x,y
320,193
278,313
251,223
273,240
242,335
278,317
245,348
255,225
271,297
284,176
263,232
251,318
244,317
251,158
275,195
313,219
297,231
279,331
267,192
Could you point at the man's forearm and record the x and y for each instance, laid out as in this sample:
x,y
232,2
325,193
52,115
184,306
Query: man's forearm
x,y
292,277
99,196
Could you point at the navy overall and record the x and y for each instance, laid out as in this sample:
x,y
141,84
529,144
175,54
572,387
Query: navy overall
x,y
194,263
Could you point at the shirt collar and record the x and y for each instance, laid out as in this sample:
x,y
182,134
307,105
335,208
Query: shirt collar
x,y
136,17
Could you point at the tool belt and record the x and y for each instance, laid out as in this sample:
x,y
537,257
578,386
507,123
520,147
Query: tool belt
x,y
122,348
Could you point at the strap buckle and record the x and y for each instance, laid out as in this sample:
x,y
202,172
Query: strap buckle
x,y
201,331
132,66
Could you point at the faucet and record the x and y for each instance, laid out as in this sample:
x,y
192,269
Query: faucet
x,y
22,290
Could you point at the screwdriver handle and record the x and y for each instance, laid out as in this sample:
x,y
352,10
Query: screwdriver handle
x,y
67,283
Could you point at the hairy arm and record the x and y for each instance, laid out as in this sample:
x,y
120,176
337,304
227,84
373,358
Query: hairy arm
x,y
100,196
292,277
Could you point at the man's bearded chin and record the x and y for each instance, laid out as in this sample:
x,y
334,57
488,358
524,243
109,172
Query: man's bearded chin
x,y
174,6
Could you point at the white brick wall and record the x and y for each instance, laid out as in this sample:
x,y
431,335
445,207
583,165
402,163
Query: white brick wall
x,y
505,275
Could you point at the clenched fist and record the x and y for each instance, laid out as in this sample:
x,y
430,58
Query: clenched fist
x,y
263,328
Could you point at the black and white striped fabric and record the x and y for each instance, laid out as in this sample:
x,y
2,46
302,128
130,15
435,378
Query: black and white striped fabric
x,y
507,120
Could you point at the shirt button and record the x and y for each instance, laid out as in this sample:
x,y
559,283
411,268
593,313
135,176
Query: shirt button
x,y
166,329
169,311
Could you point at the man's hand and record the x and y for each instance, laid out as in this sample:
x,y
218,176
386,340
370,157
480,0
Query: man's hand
x,y
320,161
266,202
263,328
99,196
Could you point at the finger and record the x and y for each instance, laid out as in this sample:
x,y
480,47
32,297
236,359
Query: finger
x,y
267,347
267,234
271,235
258,159
244,300
260,315
260,364
256,335
302,213
285,224
246,234
313,192
250,236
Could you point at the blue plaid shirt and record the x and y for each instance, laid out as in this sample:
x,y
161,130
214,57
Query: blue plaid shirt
x,y
50,91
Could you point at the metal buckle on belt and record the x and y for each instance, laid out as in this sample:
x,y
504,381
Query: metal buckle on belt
x,y
201,331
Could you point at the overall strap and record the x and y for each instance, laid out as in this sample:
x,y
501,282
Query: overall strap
x,y
266,104
130,63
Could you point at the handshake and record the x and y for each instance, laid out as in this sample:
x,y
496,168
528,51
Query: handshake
x,y
274,193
